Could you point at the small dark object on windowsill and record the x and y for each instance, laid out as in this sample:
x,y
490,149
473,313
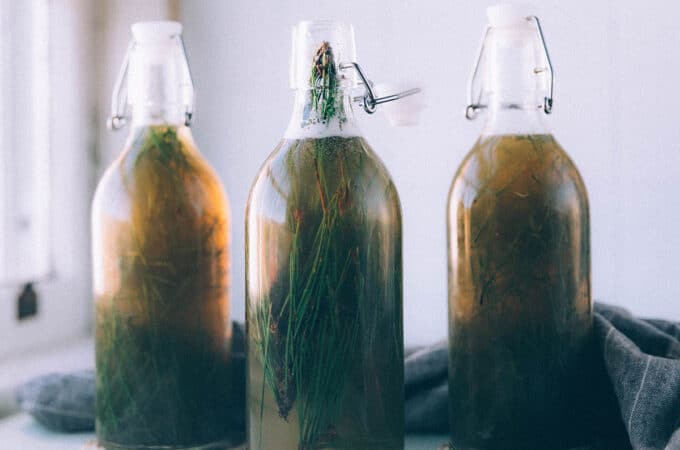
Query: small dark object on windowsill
x,y
27,303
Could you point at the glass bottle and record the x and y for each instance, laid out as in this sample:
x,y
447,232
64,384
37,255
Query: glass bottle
x,y
160,236
324,270
518,259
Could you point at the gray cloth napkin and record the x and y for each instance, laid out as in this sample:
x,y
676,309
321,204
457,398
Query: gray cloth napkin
x,y
642,358
636,370
65,401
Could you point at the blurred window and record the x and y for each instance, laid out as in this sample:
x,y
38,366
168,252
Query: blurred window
x,y
24,140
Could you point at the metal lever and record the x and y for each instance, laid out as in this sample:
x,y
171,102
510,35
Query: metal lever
x,y
547,101
475,104
189,108
118,117
369,100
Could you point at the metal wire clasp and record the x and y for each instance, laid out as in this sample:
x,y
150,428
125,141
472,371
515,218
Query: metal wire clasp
x,y
119,97
369,100
475,99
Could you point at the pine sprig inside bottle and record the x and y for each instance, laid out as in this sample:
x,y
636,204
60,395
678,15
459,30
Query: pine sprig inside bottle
x,y
323,82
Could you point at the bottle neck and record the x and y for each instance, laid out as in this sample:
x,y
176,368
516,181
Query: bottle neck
x,y
177,138
515,88
157,84
155,115
504,118
319,113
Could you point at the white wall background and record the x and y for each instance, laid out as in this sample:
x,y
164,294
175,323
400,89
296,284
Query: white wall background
x,y
617,64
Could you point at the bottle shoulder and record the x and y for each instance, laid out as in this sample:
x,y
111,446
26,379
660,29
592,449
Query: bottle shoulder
x,y
535,165
296,159
164,167
299,169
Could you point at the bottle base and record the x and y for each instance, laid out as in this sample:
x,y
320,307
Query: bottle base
x,y
508,445
226,444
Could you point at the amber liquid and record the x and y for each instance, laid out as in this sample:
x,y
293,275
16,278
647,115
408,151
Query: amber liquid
x,y
161,249
519,295
324,305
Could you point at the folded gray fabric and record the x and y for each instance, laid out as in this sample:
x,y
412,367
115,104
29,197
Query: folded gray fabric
x,y
426,389
65,401
637,370
642,358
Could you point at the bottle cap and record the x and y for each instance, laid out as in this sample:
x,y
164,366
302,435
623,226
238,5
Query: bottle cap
x,y
510,41
155,80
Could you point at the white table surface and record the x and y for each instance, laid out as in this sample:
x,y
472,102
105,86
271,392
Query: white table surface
x,y
21,432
